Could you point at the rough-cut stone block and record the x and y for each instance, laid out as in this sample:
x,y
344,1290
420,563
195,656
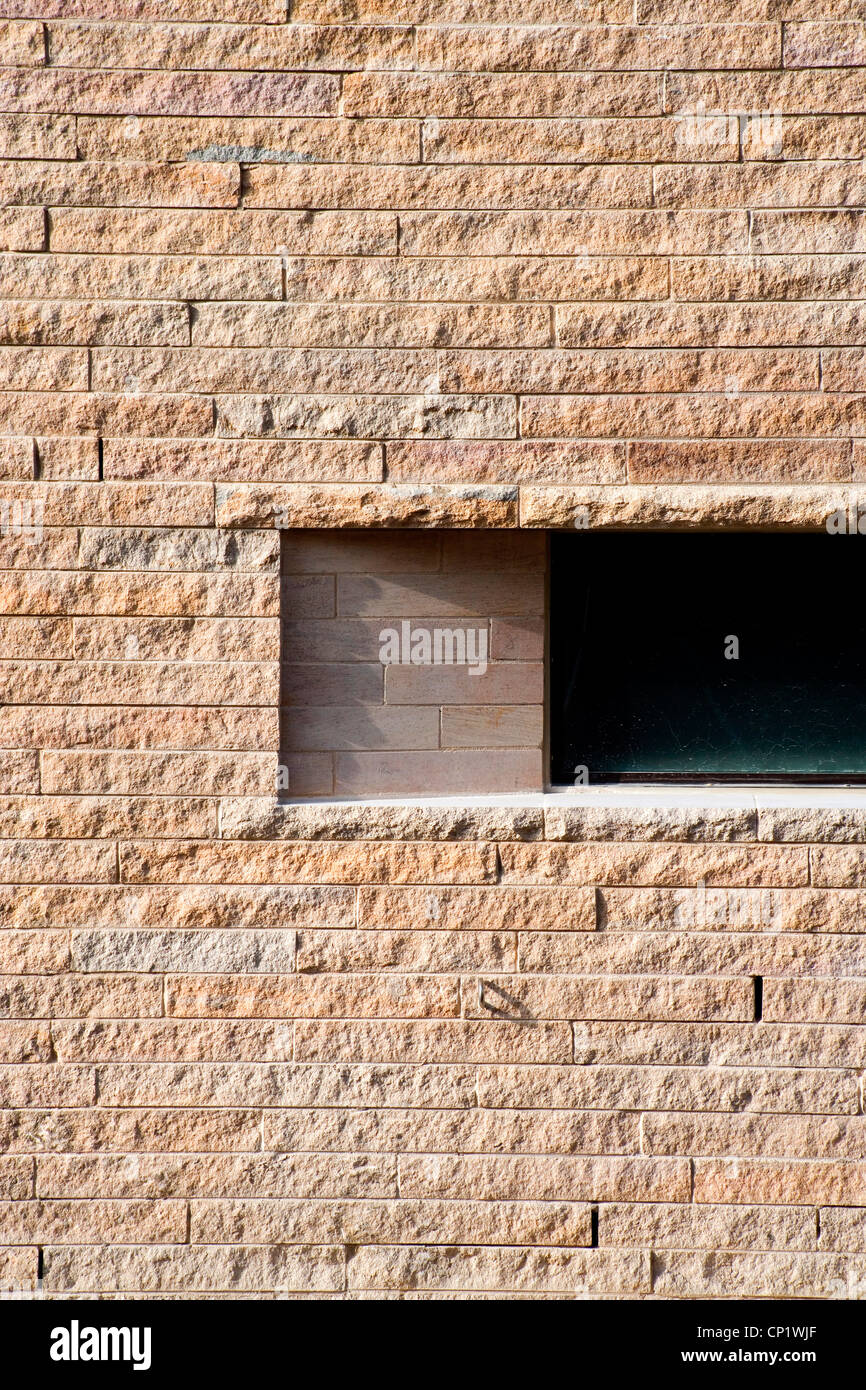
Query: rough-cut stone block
x,y
16,1178
445,186
152,1269
396,505
777,1181
434,952
102,1129
259,818
667,1226
38,137
305,862
815,1001
311,996
764,954
754,1275
374,1223
216,1175
227,460
739,461
631,822
722,1088
466,1268
75,996
716,865
19,1273
223,94
542,1178
22,229
93,1223
564,48
443,1041
315,320
47,1086
261,1081
186,907
503,908
19,771
450,1132
842,1229
200,951
839,867
500,94
753,1136
623,997
62,816
763,508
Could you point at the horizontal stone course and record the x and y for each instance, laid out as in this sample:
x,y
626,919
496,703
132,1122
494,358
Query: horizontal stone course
x,y
316,319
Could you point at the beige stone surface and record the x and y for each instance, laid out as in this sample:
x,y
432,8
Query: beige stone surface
x,y
505,907
94,1222
499,1270
378,1222
574,1179
588,822
756,460
807,910
397,505
716,865
109,1130
842,1228
678,1227
799,964
164,861
653,1085
754,1135
264,818
313,321
764,1180
687,507
588,997
159,1269
764,1275
218,1175
451,1132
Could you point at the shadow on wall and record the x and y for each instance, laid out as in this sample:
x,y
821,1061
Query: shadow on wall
x,y
412,662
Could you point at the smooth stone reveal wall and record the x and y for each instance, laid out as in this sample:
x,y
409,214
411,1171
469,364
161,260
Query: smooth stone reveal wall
x,y
451,266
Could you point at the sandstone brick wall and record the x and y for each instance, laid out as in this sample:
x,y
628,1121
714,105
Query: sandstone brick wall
x,y
463,265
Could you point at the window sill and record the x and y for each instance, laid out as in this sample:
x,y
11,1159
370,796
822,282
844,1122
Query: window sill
x,y
634,812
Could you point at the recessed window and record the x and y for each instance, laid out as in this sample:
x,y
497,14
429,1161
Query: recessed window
x,y
412,663
707,656
415,662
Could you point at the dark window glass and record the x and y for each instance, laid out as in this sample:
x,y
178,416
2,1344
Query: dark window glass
x,y
707,656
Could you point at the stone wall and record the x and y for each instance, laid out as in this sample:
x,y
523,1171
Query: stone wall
x,y
445,266
545,1050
